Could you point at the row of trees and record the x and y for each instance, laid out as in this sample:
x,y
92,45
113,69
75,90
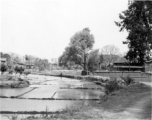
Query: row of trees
x,y
41,64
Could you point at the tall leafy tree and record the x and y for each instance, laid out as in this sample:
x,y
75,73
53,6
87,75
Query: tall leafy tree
x,y
77,51
137,20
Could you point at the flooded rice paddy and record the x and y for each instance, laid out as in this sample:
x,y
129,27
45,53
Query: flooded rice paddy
x,y
55,93
16,105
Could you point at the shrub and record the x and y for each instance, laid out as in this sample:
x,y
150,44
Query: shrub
x,y
16,69
10,78
128,80
111,86
20,79
19,69
3,68
10,71
84,73
27,72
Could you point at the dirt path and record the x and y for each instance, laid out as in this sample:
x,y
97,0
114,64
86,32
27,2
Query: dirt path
x,y
133,103
142,109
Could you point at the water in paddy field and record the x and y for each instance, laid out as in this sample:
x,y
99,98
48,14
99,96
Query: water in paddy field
x,y
16,105
54,92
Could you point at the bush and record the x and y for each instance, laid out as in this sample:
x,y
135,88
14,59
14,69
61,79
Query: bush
x,y
84,73
10,71
112,85
26,72
10,78
128,80
20,79
19,69
3,68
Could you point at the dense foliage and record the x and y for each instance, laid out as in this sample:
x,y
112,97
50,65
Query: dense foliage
x,y
94,60
78,50
137,20
3,68
19,70
12,59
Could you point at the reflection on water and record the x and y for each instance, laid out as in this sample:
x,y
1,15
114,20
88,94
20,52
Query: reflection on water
x,y
14,91
42,92
78,94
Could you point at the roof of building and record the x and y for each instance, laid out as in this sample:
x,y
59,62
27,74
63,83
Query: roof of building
x,y
128,66
150,61
20,63
3,59
29,64
121,60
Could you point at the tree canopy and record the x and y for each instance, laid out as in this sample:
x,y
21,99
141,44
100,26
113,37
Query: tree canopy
x,y
77,51
3,68
137,20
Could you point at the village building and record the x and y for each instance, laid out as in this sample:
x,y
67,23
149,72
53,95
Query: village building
x,y
19,64
148,66
3,61
30,66
124,65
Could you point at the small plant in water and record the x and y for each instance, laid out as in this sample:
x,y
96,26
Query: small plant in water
x,y
48,115
45,115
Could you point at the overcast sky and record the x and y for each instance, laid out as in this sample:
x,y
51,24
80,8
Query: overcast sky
x,y
43,28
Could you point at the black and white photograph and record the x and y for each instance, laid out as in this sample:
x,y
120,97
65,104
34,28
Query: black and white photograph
x,y
76,59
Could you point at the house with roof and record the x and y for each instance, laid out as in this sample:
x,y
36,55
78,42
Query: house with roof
x,y
29,65
148,66
3,60
18,64
123,65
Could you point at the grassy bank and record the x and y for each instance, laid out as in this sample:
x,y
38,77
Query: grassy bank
x,y
9,81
